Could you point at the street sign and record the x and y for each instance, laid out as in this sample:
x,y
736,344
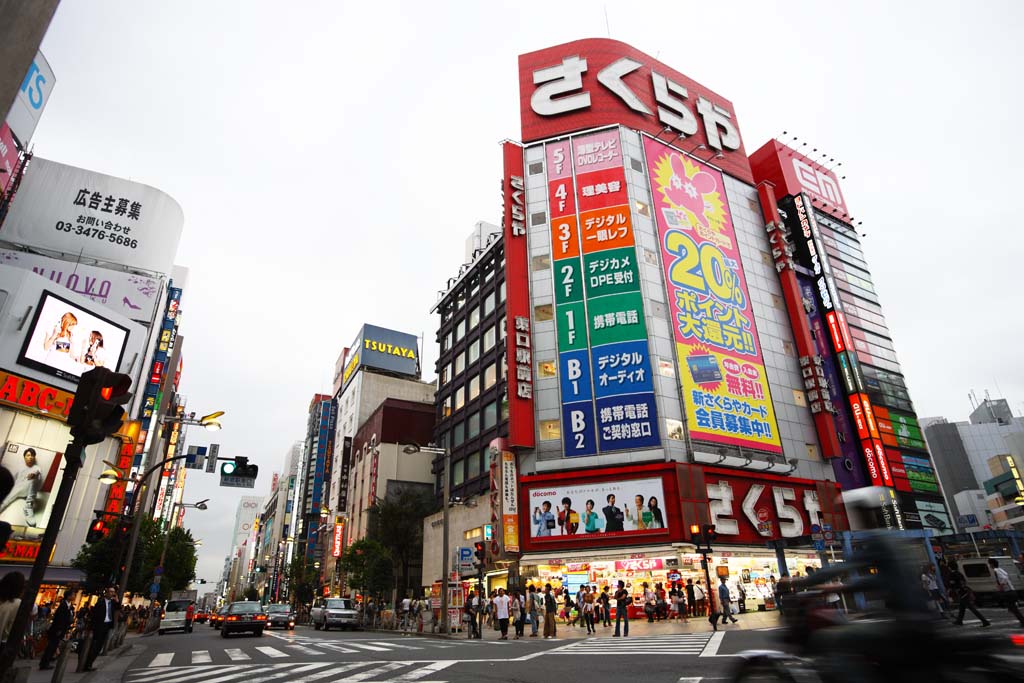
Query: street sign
x,y
819,546
232,481
465,560
488,532
211,462
194,457
154,588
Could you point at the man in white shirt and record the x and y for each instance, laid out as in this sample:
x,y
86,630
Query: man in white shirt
x,y
406,614
501,605
1008,592
27,483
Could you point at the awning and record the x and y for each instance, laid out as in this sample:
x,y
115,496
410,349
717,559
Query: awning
x,y
61,575
591,554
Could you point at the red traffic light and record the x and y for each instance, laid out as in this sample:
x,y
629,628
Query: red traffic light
x,y
96,412
97,531
695,529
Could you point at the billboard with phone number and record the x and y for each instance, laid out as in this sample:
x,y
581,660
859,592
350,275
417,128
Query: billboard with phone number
x,y
721,369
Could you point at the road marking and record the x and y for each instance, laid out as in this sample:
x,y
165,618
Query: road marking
x,y
201,657
329,672
162,659
363,646
271,652
234,673
303,649
390,666
423,672
236,655
401,646
336,648
174,672
281,670
715,642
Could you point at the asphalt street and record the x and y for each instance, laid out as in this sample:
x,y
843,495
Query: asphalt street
x,y
308,656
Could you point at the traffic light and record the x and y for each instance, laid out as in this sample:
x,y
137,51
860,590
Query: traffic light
x,y
480,553
96,412
97,531
124,529
696,535
703,535
709,534
239,473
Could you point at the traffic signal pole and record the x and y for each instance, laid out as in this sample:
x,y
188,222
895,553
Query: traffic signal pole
x,y
73,461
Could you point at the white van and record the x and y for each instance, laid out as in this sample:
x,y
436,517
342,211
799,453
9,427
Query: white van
x,y
982,580
173,617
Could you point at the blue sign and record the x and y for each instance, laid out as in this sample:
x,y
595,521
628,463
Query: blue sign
x,y
578,429
627,422
621,368
465,555
574,376
819,546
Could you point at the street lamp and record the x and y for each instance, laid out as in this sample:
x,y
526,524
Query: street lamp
x,y
447,489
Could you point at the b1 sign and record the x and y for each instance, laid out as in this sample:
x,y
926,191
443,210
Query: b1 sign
x,y
86,214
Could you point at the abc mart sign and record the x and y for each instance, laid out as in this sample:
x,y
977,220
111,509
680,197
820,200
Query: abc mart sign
x,y
599,82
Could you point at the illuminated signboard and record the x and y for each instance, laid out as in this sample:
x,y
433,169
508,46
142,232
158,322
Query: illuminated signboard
x,y
720,365
34,397
337,544
382,349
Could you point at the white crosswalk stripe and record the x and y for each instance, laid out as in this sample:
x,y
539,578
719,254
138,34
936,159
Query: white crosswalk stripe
x,y
236,654
303,649
200,657
271,652
366,646
681,644
162,659
400,646
329,672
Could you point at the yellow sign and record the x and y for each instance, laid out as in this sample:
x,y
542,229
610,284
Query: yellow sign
x,y
390,349
350,367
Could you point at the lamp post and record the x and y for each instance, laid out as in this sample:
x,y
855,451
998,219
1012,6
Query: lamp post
x,y
446,486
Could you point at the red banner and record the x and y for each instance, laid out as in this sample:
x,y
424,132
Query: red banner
x,y
519,343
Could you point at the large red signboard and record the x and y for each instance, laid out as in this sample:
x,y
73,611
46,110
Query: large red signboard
x,y
598,82
792,173
519,345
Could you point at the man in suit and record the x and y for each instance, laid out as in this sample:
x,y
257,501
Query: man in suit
x,y
63,615
102,618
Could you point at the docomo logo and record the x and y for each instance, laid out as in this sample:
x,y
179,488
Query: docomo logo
x,y
553,98
721,502
820,183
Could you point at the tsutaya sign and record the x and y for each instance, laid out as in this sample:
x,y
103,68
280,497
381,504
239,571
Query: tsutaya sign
x,y
598,82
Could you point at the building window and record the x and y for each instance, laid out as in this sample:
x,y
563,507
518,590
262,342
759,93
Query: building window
x,y
543,312
446,374
470,534
460,301
539,218
501,292
459,434
674,429
473,426
502,330
474,351
550,430
446,312
446,407
447,343
490,338
460,399
504,408
535,168
547,368
472,466
474,317
490,376
460,329
489,303
490,414
474,388
489,269
460,364
542,262
458,472
643,209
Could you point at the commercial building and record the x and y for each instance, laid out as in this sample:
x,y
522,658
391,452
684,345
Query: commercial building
x,y
671,358
314,479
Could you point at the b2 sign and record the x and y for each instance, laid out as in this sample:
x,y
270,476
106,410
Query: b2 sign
x,y
82,213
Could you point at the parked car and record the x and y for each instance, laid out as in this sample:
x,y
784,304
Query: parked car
x,y
328,612
173,616
217,617
280,615
982,580
243,616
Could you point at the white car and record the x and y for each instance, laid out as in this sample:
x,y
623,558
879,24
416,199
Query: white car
x,y
173,617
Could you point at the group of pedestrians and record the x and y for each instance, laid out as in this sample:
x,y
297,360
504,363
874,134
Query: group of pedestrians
x,y
962,595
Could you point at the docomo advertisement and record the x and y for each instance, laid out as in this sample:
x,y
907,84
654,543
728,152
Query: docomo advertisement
x,y
748,509
578,512
94,216
721,368
517,300
792,173
596,82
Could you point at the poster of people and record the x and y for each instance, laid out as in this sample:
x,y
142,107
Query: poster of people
x,y
617,507
66,340
36,473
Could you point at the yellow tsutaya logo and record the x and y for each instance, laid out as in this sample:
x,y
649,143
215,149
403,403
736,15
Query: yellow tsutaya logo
x,y
350,368
390,349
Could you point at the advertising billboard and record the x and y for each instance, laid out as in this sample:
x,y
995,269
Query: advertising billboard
x,y
131,295
604,363
382,349
8,158
94,216
31,99
519,349
36,473
720,365
66,340
616,508
598,82
792,173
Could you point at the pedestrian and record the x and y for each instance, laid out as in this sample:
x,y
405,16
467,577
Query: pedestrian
x,y
691,598
724,602
622,601
190,615
931,587
501,610
62,618
588,610
650,603
1007,593
534,607
701,597
102,617
469,614
12,585
550,610
963,595
681,606
606,607
518,613
741,592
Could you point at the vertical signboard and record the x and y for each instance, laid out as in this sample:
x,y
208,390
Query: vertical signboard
x,y
607,391
721,368
31,99
509,502
517,300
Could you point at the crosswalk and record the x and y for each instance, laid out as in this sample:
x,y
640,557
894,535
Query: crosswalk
x,y
676,644
293,646
332,672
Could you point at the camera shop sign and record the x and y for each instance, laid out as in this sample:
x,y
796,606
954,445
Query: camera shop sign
x,y
42,399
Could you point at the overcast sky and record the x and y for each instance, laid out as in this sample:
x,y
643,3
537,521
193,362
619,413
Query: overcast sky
x,y
331,158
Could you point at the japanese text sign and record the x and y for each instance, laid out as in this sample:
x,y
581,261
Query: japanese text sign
x,y
519,354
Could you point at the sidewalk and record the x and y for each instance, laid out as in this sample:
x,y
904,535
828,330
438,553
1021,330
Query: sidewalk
x,y
108,667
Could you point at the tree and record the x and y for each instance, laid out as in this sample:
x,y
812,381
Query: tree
x,y
397,523
302,579
369,566
251,593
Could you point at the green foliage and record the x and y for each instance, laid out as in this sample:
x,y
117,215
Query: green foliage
x,y
251,594
369,566
303,580
397,523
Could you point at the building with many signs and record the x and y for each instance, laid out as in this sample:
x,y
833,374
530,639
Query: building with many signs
x,y
671,353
